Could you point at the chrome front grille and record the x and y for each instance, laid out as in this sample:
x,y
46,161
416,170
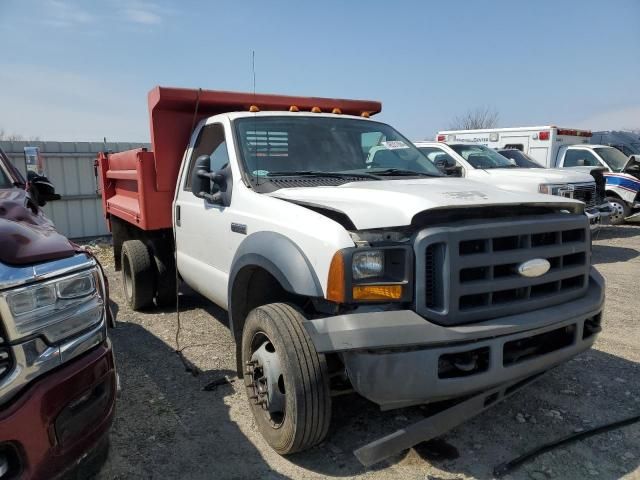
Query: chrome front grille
x,y
470,272
585,192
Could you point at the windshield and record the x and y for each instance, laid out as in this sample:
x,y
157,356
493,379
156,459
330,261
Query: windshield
x,y
522,159
296,145
482,157
612,157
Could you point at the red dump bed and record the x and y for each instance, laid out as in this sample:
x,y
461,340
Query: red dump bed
x,y
137,186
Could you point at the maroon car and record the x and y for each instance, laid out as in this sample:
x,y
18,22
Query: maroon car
x,y
57,374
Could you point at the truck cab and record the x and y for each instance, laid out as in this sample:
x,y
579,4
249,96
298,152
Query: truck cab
x,y
622,175
339,269
480,163
57,374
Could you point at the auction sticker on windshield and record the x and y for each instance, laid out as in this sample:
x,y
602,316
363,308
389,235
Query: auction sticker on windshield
x,y
394,144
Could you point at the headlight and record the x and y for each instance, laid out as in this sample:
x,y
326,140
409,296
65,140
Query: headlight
x,y
71,303
378,274
76,287
367,264
554,188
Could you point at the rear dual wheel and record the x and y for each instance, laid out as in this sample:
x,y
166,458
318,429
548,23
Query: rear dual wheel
x,y
146,278
287,381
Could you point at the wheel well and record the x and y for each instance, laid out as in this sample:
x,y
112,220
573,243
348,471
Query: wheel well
x,y
254,286
609,193
159,242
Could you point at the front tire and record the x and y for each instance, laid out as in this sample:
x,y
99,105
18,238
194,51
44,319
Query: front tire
x,y
620,210
287,381
137,274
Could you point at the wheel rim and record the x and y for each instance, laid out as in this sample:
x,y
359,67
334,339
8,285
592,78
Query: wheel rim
x,y
618,209
126,276
266,386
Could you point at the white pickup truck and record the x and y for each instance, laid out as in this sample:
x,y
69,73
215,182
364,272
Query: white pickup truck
x,y
406,285
568,149
483,164
622,175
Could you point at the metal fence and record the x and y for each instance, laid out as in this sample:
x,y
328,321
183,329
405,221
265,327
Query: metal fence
x,y
69,166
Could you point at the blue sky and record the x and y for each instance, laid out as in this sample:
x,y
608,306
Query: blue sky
x,y
80,70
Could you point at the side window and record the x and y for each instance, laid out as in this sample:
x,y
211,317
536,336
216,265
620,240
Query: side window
x,y
514,146
210,142
580,158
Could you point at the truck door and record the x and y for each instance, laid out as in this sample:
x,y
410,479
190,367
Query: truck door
x,y
202,228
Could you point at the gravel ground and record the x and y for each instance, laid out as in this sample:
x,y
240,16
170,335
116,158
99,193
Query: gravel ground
x,y
167,426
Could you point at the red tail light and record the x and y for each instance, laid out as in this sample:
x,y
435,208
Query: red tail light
x,y
543,135
441,138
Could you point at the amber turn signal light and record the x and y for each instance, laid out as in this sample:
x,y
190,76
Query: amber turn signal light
x,y
335,282
377,292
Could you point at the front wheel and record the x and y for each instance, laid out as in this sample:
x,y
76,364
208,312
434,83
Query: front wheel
x,y
287,381
620,210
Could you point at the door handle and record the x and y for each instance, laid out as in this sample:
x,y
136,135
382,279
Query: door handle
x,y
177,215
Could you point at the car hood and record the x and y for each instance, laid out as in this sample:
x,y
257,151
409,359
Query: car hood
x,y
26,236
538,175
392,203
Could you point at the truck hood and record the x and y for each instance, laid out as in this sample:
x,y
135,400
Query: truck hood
x,y
393,203
537,175
27,237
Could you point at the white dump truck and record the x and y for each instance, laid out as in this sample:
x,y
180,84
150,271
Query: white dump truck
x,y
407,285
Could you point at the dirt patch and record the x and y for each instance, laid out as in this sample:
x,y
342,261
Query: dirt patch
x,y
168,426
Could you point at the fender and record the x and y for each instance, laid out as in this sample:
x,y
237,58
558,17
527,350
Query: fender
x,y
279,256
623,184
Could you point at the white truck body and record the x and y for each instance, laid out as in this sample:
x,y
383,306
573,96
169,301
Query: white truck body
x,y
532,180
549,146
337,268
542,143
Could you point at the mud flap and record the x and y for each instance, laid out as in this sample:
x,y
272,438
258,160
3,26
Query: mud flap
x,y
437,424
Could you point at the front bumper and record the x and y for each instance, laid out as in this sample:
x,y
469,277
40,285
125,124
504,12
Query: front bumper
x,y
60,417
599,215
394,358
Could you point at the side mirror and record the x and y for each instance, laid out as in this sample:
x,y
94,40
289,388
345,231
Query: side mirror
x,y
448,167
41,189
200,181
455,171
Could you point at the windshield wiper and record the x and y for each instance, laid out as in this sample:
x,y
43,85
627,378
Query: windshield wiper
x,y
318,173
401,172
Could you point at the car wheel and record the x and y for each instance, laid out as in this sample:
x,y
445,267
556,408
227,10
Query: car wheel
x,y
137,274
620,211
287,381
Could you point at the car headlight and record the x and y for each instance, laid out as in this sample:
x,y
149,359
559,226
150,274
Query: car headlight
x,y
367,264
360,274
554,188
72,303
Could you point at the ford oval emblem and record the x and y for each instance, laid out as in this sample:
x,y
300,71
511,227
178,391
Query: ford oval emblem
x,y
534,268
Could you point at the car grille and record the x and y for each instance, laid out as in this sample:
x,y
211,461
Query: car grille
x,y
470,271
585,192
